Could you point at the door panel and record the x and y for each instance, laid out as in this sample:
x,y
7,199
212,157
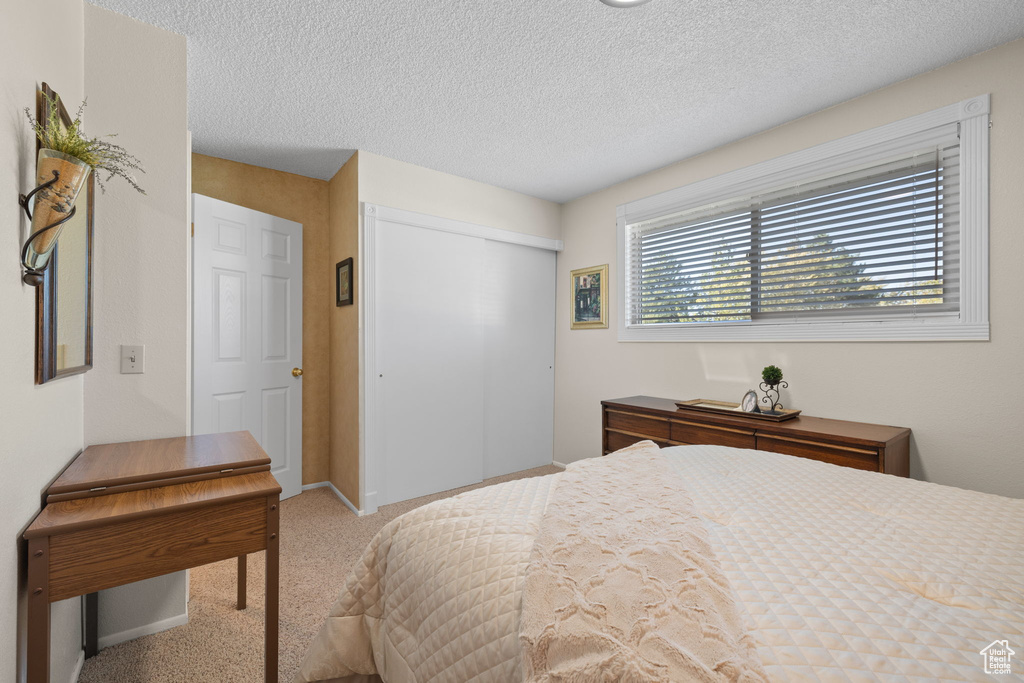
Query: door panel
x,y
429,360
247,330
519,352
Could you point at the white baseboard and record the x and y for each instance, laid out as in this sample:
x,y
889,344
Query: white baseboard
x,y
558,464
145,630
77,671
341,497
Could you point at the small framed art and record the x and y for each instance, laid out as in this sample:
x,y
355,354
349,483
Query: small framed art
x,y
343,282
749,402
589,298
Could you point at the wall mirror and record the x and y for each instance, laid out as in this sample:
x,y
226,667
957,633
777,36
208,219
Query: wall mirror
x,y
64,298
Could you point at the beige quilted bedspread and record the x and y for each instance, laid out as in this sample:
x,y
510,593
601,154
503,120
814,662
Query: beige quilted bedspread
x,y
841,575
623,584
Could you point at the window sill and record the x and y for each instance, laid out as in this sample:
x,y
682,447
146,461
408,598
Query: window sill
x,y
853,331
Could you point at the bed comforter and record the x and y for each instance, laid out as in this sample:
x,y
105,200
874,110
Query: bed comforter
x,y
839,575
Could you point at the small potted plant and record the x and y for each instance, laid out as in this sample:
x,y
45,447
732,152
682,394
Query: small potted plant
x,y
66,158
771,382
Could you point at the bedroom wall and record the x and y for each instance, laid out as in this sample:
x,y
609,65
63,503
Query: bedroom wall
x,y
41,427
303,200
135,77
958,397
400,185
344,324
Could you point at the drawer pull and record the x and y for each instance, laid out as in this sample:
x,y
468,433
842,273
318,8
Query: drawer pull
x,y
744,432
645,437
643,415
818,443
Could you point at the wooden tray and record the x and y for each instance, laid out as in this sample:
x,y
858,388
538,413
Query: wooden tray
x,y
705,405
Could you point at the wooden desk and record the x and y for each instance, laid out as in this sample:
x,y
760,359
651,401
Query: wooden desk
x,y
176,504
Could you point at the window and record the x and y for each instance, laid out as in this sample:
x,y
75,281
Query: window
x,y
862,238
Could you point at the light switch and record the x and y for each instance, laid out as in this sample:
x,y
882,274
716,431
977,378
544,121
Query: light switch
x,y
132,360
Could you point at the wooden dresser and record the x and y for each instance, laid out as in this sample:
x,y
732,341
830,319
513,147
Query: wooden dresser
x,y
878,448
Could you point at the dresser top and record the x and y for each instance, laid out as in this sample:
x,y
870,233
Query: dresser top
x,y
132,462
803,425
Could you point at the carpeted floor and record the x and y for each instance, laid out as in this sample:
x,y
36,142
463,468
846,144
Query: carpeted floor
x,y
320,539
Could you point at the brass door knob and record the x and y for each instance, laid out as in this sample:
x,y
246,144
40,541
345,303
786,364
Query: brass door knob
x,y
296,372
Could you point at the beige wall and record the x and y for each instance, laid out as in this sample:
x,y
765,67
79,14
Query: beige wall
x,y
344,242
135,77
405,186
303,200
959,398
40,426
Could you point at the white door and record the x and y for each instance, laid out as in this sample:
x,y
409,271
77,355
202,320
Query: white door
x,y
463,355
429,360
519,346
247,331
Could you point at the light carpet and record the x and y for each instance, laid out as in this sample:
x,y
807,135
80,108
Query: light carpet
x,y
320,540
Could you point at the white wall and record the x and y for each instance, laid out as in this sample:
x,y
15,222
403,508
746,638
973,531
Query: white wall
x,y
40,426
400,185
135,76
957,397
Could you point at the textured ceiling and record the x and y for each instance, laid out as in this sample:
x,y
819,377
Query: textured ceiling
x,y
553,98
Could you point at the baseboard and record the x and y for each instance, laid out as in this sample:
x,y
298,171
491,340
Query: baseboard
x,y
558,464
339,494
145,630
77,671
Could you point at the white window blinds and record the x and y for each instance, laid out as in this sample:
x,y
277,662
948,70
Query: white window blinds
x,y
872,241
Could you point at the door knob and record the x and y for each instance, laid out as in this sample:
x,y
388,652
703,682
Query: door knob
x,y
296,372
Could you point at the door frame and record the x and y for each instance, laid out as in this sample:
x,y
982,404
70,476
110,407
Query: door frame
x,y
371,484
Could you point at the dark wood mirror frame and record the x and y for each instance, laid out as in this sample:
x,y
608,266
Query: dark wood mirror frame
x,y
46,292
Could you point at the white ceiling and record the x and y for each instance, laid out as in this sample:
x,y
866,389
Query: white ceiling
x,y
553,98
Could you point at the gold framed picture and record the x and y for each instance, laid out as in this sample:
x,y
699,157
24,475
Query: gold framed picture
x,y
589,298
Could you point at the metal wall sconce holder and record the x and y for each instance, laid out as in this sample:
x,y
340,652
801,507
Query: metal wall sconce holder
x,y
33,276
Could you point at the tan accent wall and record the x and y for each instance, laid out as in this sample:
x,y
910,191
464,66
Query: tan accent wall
x,y
344,242
304,200
956,396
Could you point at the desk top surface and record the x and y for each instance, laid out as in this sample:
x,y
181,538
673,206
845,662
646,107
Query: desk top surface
x,y
117,464
83,513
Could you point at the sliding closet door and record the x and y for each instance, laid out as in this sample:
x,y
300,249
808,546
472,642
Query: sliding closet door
x,y
519,339
429,360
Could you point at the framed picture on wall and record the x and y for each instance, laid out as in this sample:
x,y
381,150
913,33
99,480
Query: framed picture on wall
x,y
589,290
343,282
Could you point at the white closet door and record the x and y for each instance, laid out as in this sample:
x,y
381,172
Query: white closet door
x,y
429,360
519,341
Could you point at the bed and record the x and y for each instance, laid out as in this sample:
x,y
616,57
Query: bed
x,y
830,574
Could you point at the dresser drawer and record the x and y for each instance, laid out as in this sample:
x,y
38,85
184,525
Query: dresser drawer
x,y
650,427
617,440
847,456
692,432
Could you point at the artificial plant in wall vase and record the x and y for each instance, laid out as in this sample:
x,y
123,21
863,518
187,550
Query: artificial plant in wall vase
x,y
66,158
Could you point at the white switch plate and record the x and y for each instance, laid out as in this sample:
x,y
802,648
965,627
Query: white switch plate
x,y
132,360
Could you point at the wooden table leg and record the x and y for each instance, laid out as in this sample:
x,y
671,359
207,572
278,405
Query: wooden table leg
x,y
240,603
92,610
273,564
38,610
